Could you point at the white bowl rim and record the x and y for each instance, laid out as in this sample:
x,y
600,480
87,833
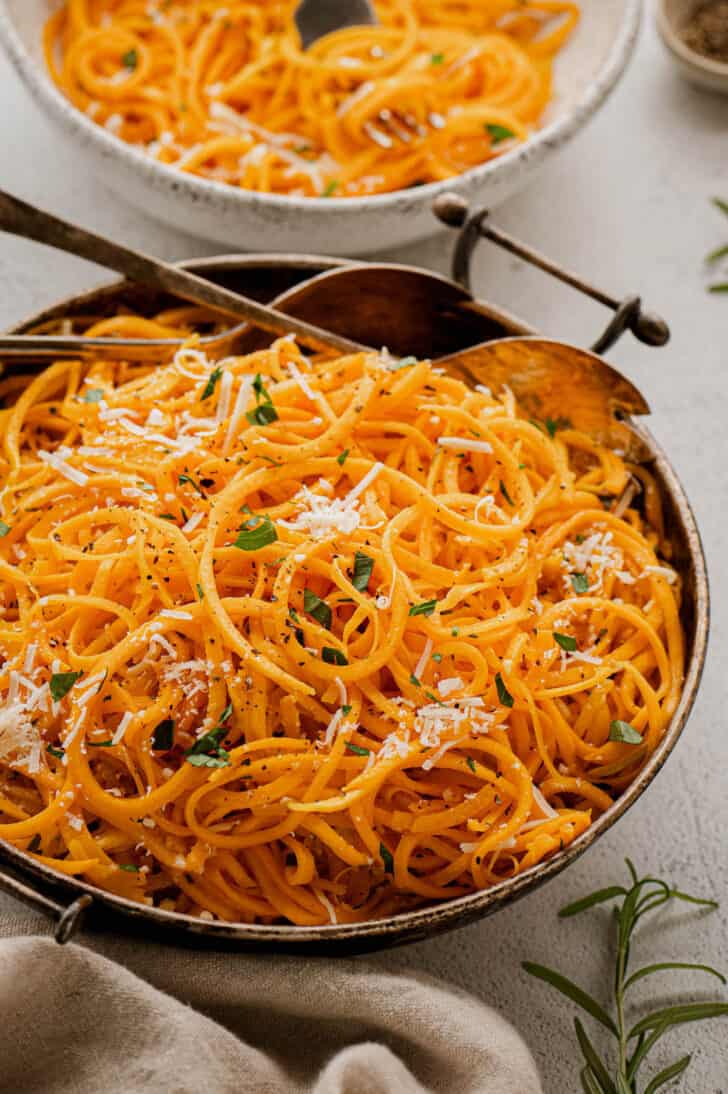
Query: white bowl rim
x,y
673,41
194,186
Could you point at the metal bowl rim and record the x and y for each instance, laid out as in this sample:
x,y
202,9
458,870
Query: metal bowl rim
x,y
434,918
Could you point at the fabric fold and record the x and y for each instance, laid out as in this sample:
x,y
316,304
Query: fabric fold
x,y
75,1022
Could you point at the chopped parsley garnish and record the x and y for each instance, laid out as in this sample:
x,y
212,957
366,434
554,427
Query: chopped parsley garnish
x,y
346,709
437,657
100,744
195,486
211,384
553,424
61,684
579,538
357,750
498,133
415,681
253,539
566,641
386,856
455,632
130,59
93,395
294,615
404,362
580,583
200,591
330,188
504,694
625,733
426,608
318,608
265,412
129,867
4,528
341,458
332,656
163,736
471,763
221,760
504,492
437,58
363,566
57,752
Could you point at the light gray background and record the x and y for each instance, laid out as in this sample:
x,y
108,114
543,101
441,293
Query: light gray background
x,y
627,204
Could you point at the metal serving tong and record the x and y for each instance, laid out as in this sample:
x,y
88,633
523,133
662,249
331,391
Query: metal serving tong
x,y
328,311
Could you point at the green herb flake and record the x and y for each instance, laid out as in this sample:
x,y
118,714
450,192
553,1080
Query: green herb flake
x,y
505,493
182,479
437,59
61,683
317,608
93,395
341,458
263,414
498,133
59,753
357,750
415,681
437,657
4,528
426,608
163,736
330,189
254,539
471,763
200,591
580,583
130,59
332,656
504,694
129,867
554,424
346,709
386,857
624,733
566,641
221,760
363,566
108,743
211,384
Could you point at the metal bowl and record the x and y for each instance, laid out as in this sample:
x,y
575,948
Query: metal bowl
x,y
65,899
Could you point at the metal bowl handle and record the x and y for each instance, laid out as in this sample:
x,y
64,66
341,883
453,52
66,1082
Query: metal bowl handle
x,y
67,918
453,210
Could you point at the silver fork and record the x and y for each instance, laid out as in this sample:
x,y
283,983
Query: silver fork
x,y
317,18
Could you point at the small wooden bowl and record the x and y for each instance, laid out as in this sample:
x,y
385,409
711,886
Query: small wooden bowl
x,y
672,16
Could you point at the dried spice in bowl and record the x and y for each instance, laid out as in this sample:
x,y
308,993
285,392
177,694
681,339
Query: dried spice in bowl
x,y
706,32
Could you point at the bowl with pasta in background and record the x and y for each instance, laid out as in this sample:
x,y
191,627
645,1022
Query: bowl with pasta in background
x,y
218,123
268,729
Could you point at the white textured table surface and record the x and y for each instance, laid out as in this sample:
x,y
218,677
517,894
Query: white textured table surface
x,y
627,204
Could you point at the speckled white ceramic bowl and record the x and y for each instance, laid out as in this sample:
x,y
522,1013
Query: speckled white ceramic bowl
x,y
586,72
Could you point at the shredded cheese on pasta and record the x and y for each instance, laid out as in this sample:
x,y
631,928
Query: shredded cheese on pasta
x,y
267,657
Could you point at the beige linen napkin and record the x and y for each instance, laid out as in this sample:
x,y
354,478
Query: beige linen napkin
x,y
74,1022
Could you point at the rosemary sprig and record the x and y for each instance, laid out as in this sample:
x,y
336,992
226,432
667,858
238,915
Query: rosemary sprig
x,y
720,252
634,1041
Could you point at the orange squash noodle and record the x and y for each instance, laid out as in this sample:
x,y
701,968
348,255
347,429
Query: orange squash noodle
x,y
307,640
229,94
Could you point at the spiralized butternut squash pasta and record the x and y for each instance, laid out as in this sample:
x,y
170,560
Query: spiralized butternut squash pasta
x,y
307,640
228,93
